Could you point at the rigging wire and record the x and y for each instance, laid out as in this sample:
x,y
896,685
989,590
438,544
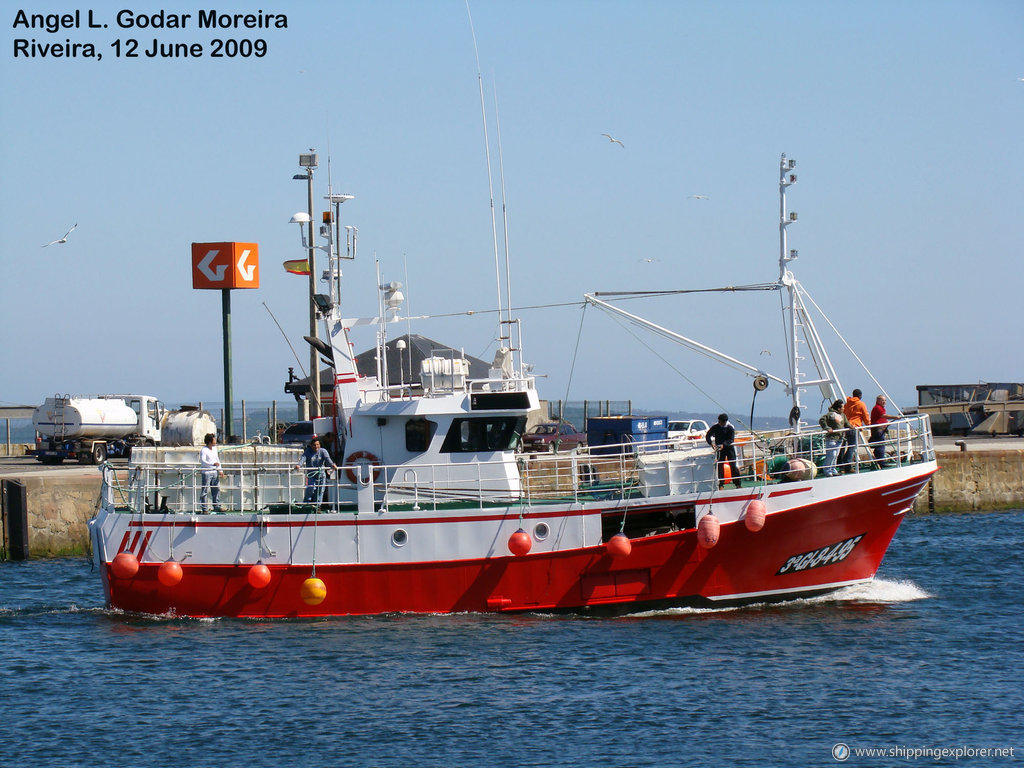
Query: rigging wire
x,y
850,349
661,357
579,335
790,351
622,296
301,368
677,291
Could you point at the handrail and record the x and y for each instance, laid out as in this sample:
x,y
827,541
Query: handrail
x,y
613,472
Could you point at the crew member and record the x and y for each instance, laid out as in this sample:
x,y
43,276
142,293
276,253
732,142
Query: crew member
x,y
721,437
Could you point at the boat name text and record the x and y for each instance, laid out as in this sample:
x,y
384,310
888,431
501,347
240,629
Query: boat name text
x,y
830,555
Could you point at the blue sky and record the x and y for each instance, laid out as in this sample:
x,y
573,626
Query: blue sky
x,y
905,120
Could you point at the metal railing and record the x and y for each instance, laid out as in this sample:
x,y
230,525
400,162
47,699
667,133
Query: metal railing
x,y
618,472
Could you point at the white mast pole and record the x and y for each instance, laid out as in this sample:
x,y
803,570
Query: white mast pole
x,y
786,178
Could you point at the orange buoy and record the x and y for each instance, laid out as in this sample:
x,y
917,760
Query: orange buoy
x,y
619,546
124,565
707,531
754,519
313,591
169,573
519,543
726,473
258,576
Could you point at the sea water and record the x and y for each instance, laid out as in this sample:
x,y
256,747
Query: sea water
x,y
927,658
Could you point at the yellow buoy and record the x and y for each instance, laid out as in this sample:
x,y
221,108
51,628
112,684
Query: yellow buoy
x,y
313,591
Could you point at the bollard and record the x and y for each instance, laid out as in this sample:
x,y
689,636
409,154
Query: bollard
x,y
15,518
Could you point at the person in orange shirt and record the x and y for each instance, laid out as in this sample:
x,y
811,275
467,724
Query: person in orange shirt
x,y
858,415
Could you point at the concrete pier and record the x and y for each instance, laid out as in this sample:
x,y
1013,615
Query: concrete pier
x,y
975,474
980,474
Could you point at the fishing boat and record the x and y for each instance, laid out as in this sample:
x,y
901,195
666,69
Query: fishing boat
x,y
434,509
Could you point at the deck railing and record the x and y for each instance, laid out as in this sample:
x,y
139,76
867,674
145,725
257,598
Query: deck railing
x,y
606,472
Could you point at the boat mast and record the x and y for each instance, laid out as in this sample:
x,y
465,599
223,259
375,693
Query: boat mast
x,y
800,327
786,280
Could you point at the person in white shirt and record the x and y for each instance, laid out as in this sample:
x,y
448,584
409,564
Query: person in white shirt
x,y
209,465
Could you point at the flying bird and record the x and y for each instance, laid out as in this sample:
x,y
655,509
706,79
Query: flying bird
x,y
614,141
648,260
63,239
700,197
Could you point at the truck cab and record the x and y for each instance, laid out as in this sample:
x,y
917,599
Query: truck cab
x,y
92,428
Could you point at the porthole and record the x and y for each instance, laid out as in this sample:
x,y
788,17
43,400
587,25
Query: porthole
x,y
399,538
541,531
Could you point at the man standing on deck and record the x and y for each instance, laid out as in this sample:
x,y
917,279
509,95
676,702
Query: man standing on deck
x,y
836,427
318,462
721,437
857,414
209,466
879,428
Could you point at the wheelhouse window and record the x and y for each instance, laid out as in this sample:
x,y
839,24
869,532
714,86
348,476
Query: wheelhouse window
x,y
488,433
418,434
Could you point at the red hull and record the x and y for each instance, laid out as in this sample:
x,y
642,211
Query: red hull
x,y
803,550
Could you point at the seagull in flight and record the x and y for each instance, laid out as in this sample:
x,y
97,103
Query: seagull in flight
x,y
648,260
63,239
700,197
614,141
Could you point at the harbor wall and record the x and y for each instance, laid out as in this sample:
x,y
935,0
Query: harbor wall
x,y
59,510
60,506
974,480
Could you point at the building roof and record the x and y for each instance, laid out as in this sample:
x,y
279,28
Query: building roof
x,y
403,365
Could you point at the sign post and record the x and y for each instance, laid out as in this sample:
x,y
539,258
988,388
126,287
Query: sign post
x,y
224,267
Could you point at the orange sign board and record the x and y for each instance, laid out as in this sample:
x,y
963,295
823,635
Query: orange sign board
x,y
225,265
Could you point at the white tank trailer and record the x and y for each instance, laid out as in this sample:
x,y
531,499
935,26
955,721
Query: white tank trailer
x,y
91,428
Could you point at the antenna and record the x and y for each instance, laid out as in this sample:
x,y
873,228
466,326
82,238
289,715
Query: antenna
x,y
510,321
490,182
286,341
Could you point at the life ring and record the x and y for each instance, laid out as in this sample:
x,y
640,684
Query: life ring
x,y
364,456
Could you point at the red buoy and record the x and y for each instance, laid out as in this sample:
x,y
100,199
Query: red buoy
x,y
707,531
619,546
519,543
259,576
754,519
169,573
124,565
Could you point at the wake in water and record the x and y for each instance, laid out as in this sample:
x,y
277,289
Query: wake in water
x,y
878,591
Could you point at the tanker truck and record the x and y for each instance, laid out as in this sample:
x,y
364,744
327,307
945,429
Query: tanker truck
x,y
92,428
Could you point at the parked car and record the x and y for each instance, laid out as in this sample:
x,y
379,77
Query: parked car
x,y
689,429
553,436
299,432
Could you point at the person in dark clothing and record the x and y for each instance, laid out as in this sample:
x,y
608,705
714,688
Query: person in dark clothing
x,y
721,437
